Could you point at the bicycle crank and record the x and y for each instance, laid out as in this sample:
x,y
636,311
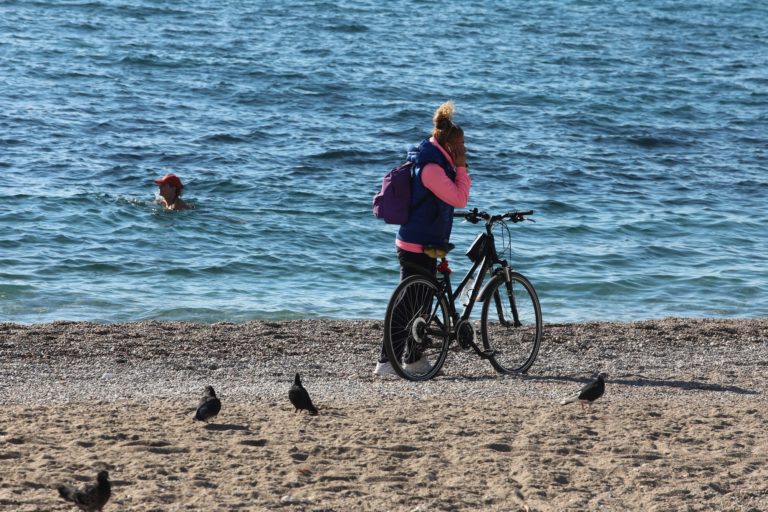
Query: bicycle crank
x,y
465,335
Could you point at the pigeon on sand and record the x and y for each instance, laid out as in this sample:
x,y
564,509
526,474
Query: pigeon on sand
x,y
209,405
300,398
90,497
588,393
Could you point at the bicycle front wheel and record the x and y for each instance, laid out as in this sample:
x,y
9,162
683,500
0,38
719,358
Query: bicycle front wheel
x,y
511,323
416,328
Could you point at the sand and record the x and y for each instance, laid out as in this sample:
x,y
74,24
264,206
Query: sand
x,y
682,425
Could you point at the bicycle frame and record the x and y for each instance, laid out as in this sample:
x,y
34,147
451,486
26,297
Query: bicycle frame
x,y
483,265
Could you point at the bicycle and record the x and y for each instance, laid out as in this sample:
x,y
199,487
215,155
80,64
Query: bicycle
x,y
422,321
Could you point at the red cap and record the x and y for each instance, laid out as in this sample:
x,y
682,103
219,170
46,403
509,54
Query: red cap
x,y
171,179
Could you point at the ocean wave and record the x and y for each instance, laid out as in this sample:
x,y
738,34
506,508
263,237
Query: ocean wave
x,y
347,28
652,142
157,61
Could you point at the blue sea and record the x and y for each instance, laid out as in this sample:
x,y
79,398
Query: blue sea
x,y
637,131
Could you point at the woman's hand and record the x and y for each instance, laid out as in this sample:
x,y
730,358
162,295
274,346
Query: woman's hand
x,y
459,155
458,151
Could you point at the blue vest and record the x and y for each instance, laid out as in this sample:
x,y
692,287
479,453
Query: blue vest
x,y
431,219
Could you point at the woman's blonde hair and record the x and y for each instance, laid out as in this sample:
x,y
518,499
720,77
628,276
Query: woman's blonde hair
x,y
445,129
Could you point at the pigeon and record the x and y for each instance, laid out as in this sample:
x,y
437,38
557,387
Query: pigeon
x,y
300,398
91,497
588,393
209,405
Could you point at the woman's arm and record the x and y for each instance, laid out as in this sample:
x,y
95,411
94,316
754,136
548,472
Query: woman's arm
x,y
455,194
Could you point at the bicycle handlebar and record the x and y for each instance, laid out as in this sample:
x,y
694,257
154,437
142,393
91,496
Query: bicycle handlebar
x,y
474,216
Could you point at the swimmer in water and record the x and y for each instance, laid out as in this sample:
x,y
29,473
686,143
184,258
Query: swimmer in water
x,y
170,192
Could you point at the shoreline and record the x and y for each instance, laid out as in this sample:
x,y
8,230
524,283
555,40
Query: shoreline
x,y
681,425
256,358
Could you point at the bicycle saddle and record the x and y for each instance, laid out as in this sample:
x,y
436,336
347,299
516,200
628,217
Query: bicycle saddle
x,y
437,251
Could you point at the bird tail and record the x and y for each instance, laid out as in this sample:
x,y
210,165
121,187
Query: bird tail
x,y
570,400
66,493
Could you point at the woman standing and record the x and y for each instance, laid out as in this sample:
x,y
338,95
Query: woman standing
x,y
441,183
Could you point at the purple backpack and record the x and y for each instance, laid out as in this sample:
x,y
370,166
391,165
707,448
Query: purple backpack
x,y
393,202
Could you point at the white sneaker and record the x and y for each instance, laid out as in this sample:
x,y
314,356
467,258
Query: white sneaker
x,y
385,369
421,366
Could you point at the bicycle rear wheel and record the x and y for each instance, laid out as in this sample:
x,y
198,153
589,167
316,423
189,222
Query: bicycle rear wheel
x,y
511,323
416,329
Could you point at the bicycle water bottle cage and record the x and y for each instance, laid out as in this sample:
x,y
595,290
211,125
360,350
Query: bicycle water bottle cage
x,y
437,251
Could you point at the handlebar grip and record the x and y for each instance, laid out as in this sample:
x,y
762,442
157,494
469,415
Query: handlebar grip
x,y
474,216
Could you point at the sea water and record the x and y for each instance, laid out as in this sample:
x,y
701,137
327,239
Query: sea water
x,y
637,131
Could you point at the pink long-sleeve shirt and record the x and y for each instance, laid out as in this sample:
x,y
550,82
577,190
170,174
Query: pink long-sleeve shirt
x,y
434,178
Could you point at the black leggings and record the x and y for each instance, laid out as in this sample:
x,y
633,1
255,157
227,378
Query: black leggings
x,y
408,261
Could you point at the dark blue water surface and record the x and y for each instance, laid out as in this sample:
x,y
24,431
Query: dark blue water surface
x,y
638,132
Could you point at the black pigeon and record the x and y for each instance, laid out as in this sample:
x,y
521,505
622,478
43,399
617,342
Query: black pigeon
x,y
588,393
209,405
91,497
300,398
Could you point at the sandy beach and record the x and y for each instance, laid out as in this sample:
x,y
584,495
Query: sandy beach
x,y
682,424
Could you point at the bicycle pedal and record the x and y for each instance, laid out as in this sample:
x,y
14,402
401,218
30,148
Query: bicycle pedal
x,y
488,354
465,347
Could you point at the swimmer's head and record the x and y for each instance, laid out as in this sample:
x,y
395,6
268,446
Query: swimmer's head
x,y
171,179
170,188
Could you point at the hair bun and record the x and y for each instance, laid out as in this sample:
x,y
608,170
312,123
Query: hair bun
x,y
444,124
443,116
